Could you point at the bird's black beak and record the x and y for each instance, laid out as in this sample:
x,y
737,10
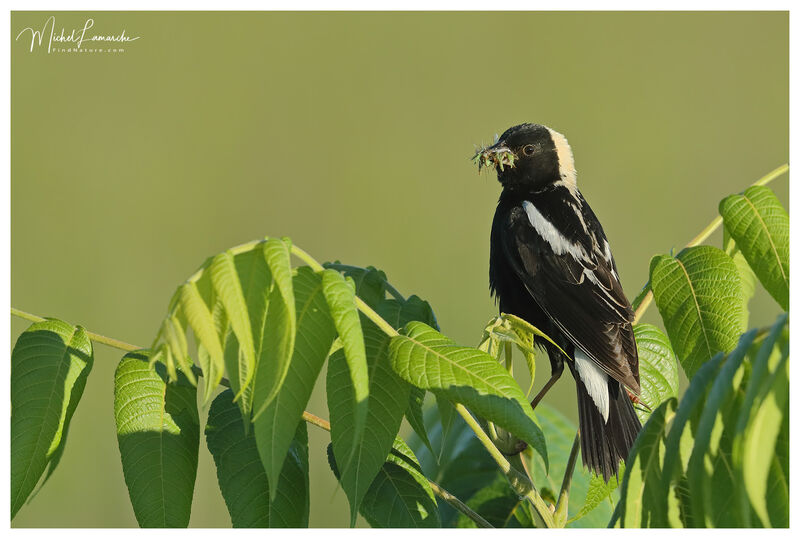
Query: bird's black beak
x,y
498,155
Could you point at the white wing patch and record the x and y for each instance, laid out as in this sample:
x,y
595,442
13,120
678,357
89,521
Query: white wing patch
x,y
550,234
595,380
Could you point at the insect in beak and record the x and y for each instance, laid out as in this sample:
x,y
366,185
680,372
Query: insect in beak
x,y
497,155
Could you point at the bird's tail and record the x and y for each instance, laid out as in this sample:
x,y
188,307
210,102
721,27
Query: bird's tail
x,y
605,443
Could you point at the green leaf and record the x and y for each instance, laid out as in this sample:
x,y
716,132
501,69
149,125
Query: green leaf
x,y
370,282
658,368
275,426
680,438
340,295
242,479
760,226
229,291
400,495
698,475
209,354
158,433
761,438
699,296
447,417
639,493
415,416
280,326
255,280
745,272
49,366
388,401
777,496
599,492
757,446
497,503
429,360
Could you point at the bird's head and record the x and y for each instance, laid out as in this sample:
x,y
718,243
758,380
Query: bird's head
x,y
530,157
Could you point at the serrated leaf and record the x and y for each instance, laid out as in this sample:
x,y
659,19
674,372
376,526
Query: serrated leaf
x,y
242,479
745,272
340,296
50,363
388,401
276,425
175,336
699,295
599,492
158,434
400,495
280,326
209,355
698,475
658,368
229,292
760,226
639,491
255,280
429,360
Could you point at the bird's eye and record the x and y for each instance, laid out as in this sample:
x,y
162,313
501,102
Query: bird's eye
x,y
528,150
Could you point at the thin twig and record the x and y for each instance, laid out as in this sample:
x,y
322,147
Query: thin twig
x,y
703,236
562,505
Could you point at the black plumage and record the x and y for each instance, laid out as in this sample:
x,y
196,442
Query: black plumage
x,y
551,264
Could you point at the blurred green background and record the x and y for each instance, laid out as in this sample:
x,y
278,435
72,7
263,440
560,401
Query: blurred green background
x,y
351,133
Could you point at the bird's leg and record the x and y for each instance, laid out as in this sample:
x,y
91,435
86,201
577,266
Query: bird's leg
x,y
557,369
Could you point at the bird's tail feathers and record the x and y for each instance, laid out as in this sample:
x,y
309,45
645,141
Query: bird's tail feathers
x,y
604,444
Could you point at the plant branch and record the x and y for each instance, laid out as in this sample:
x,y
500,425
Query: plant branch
x,y
520,483
562,504
703,236
308,417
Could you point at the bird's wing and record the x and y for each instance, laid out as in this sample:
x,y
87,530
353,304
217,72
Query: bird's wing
x,y
577,285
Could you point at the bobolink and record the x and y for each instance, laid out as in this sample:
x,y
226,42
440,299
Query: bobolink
x,y
551,265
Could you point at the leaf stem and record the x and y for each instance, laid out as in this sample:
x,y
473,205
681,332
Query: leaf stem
x,y
703,236
521,484
96,337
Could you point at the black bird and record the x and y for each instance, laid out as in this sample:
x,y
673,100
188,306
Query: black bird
x,y
551,265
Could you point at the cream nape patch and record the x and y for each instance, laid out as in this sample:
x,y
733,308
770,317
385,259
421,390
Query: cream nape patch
x,y
566,162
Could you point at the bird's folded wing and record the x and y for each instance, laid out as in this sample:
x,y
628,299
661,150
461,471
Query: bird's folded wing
x,y
581,294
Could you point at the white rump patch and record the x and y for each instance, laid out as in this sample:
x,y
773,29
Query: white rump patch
x,y
551,235
566,163
595,380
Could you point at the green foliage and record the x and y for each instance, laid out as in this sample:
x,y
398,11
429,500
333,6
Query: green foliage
x,y
275,427
242,478
715,456
399,496
714,461
658,368
427,359
49,367
158,433
760,226
699,295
